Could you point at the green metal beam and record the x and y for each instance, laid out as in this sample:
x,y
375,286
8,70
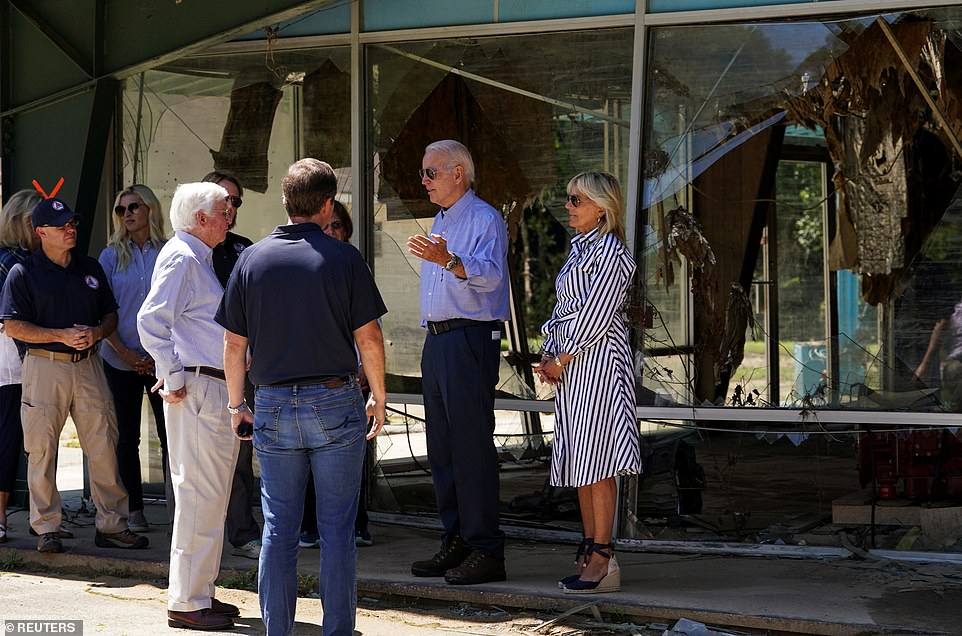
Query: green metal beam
x,y
75,56
174,30
95,149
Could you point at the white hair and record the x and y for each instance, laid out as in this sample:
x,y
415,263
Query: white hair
x,y
457,154
190,197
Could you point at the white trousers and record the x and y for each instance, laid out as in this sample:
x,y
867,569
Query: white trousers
x,y
203,450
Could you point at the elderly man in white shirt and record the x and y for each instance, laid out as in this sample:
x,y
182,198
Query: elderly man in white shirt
x,y
177,328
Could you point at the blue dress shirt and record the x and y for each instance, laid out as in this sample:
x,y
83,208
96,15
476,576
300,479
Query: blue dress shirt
x,y
477,234
130,287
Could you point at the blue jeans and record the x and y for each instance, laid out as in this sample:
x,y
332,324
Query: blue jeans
x,y
296,428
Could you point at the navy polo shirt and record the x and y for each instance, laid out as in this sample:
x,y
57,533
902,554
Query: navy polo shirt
x,y
297,296
45,294
224,256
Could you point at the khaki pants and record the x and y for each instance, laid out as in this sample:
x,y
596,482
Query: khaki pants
x,y
202,450
51,390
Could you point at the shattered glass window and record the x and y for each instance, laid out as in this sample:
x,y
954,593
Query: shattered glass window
x,y
800,212
801,238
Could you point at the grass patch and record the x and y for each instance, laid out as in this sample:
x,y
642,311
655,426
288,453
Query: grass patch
x,y
11,562
307,584
239,580
115,572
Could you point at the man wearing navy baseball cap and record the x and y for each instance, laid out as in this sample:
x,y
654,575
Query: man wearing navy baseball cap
x,y
57,305
52,213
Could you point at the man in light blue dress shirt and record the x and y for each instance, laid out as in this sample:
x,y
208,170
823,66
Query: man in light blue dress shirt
x,y
464,302
177,328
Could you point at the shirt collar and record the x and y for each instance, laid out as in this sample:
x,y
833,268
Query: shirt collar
x,y
460,205
148,245
582,241
200,249
298,228
49,264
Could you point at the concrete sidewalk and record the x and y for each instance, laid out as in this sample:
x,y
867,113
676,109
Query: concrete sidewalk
x,y
757,594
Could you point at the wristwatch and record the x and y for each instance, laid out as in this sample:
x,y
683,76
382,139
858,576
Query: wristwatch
x,y
557,361
454,262
240,408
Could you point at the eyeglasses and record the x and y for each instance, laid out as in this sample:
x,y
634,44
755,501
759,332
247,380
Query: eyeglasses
x,y
74,223
430,173
121,210
235,201
224,213
574,200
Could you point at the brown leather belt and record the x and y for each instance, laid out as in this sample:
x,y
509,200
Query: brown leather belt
x,y
210,372
329,381
60,355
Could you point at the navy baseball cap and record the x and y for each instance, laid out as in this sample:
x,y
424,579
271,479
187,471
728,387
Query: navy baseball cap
x,y
52,212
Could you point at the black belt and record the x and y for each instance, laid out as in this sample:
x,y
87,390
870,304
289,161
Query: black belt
x,y
459,323
210,372
329,381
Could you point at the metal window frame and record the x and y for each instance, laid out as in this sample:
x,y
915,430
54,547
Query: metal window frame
x,y
641,21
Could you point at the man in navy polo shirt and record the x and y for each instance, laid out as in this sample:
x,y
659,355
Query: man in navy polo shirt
x,y
301,300
57,305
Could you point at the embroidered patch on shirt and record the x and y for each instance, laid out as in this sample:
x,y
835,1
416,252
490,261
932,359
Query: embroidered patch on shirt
x,y
496,335
91,281
239,247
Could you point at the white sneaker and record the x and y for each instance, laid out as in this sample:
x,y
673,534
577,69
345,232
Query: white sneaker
x,y
250,550
137,522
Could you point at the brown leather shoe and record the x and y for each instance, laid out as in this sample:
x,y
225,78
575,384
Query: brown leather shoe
x,y
224,608
62,533
202,619
49,543
449,556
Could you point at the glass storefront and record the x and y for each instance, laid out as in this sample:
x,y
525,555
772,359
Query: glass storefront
x,y
532,118
797,230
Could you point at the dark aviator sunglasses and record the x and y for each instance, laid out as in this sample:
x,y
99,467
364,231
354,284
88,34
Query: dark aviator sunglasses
x,y
133,207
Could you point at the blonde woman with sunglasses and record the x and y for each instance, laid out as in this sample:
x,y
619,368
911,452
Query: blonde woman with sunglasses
x,y
588,359
128,260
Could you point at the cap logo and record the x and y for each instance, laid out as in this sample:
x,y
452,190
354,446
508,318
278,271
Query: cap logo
x,y
91,281
57,205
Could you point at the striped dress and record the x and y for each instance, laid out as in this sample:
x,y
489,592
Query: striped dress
x,y
595,432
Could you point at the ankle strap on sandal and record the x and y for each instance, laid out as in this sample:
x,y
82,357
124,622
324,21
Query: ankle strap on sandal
x,y
606,550
584,546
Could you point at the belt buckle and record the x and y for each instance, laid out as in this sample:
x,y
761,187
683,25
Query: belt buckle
x,y
77,357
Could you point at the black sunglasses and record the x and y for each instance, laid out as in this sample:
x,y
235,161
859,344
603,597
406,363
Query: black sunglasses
x,y
235,201
121,210
574,200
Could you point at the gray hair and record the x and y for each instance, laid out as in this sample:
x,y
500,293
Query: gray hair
x,y
457,154
190,197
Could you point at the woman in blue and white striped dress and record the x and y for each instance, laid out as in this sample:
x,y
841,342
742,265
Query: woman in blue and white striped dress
x,y
589,362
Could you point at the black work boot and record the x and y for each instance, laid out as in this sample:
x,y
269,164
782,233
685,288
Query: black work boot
x,y
479,567
450,556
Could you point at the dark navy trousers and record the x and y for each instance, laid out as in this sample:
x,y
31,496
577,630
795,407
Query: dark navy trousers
x,y
460,372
